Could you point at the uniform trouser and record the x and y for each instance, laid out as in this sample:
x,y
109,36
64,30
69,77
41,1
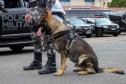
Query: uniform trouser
x,y
39,42
37,48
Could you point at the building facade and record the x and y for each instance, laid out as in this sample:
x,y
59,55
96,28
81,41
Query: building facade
x,y
95,3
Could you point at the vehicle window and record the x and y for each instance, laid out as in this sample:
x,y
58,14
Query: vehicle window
x,y
12,3
102,20
76,22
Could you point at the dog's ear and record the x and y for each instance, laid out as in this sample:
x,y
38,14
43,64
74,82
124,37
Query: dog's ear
x,y
44,13
47,11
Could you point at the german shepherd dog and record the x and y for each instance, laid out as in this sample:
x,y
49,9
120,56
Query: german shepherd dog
x,y
72,46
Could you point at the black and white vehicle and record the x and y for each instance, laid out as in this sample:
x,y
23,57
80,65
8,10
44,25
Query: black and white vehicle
x,y
105,26
15,33
81,28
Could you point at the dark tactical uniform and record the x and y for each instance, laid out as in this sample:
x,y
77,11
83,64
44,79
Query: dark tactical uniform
x,y
36,10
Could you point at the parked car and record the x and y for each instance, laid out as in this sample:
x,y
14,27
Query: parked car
x,y
81,28
105,26
118,17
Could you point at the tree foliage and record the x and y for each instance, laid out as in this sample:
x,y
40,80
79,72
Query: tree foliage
x,y
117,3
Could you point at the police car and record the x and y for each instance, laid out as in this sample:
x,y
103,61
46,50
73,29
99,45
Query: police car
x,y
15,33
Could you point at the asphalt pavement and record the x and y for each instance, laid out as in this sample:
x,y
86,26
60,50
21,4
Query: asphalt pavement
x,y
111,51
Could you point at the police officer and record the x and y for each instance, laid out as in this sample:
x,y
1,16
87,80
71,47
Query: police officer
x,y
36,7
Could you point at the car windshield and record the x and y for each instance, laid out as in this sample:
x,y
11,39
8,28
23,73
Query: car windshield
x,y
89,20
76,22
102,21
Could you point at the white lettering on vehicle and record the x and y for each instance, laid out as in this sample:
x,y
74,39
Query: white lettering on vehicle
x,y
13,22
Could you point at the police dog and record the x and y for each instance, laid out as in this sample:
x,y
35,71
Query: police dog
x,y
72,46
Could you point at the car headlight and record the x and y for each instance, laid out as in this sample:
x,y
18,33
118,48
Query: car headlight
x,y
99,26
77,27
117,26
92,27
105,26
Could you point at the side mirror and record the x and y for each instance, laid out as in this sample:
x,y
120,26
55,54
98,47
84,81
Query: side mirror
x,y
73,29
2,6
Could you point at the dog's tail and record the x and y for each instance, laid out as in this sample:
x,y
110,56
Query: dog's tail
x,y
112,70
100,70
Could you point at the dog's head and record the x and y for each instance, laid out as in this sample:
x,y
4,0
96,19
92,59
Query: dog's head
x,y
46,15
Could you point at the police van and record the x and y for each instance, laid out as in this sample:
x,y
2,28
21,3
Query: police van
x,y
15,33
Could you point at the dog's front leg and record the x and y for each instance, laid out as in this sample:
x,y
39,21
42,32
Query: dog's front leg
x,y
62,68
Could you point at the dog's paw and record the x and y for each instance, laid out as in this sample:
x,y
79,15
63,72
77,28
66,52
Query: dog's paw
x,y
91,71
59,73
77,70
82,72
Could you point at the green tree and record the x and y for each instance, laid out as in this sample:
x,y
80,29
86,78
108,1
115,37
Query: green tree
x,y
117,3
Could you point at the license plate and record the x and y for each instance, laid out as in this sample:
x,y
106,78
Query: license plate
x,y
113,29
88,32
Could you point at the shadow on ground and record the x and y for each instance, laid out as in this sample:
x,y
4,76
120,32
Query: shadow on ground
x,y
10,52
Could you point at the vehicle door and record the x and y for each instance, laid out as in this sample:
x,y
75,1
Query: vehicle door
x,y
12,21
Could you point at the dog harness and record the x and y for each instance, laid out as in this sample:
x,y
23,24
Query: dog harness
x,y
70,36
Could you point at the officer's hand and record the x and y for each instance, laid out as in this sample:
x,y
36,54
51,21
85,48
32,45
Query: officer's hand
x,y
39,32
28,17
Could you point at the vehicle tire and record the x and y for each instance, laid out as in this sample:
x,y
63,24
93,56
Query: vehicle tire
x,y
115,34
16,48
88,36
99,33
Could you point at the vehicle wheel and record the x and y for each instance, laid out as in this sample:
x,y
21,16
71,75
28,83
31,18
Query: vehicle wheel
x,y
99,33
119,32
16,48
115,34
88,36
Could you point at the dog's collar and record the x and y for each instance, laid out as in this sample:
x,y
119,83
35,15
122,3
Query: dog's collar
x,y
57,35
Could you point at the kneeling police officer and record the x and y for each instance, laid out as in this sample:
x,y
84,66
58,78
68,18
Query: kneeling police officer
x,y
35,11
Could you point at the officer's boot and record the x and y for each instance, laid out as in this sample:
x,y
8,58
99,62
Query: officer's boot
x,y
36,64
50,66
